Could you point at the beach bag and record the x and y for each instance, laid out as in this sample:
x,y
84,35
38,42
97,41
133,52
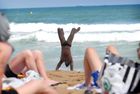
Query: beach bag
x,y
4,28
119,75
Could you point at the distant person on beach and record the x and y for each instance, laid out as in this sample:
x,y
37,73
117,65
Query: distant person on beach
x,y
31,87
66,48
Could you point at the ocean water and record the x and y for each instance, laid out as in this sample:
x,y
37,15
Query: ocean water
x,y
36,28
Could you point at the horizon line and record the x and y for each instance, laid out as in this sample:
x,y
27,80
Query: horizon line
x,y
70,6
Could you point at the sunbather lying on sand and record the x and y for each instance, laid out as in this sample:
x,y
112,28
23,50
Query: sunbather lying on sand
x,y
92,68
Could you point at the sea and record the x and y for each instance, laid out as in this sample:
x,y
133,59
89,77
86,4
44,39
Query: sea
x,y
36,29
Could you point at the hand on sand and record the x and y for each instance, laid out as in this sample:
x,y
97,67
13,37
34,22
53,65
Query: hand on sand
x,y
74,30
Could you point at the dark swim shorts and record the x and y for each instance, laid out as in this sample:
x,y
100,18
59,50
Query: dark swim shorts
x,y
9,91
9,73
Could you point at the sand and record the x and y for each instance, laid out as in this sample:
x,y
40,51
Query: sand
x,y
68,78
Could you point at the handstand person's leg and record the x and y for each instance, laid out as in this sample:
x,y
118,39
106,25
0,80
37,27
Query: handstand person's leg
x,y
71,36
23,60
92,63
36,87
61,35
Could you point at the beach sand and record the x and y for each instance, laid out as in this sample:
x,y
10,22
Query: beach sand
x,y
68,78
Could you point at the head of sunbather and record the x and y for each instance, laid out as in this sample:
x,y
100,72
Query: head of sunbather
x,y
6,48
4,28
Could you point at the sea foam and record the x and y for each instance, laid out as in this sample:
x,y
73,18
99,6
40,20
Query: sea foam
x,y
89,32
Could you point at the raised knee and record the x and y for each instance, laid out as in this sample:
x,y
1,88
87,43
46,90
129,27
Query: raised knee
x,y
110,48
27,53
89,50
38,52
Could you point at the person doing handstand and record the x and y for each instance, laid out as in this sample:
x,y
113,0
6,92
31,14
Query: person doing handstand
x,y
66,48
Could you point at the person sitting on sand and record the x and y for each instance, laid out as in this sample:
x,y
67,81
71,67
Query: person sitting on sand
x,y
92,67
66,48
28,60
24,61
31,87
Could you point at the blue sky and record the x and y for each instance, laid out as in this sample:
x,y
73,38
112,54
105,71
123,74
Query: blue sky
x,y
61,3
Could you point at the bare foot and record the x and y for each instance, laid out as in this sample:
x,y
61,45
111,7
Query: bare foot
x,y
74,30
60,31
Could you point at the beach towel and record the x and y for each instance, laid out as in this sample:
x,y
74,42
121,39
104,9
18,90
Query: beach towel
x,y
119,75
16,82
